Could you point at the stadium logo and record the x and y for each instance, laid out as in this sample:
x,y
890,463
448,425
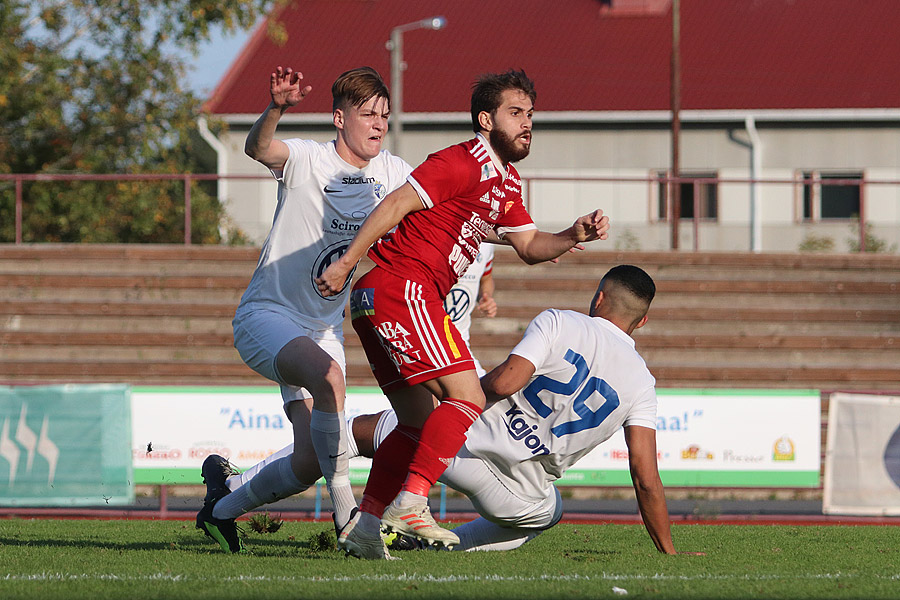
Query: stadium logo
x,y
324,260
31,443
783,449
456,304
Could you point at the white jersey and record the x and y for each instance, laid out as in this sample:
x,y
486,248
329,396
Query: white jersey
x,y
588,382
322,201
463,296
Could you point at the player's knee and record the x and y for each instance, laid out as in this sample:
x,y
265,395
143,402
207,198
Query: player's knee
x,y
330,382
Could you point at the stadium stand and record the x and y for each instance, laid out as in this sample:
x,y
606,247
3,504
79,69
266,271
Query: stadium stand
x,y
153,315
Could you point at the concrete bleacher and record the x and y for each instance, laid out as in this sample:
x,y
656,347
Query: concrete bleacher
x,y
151,315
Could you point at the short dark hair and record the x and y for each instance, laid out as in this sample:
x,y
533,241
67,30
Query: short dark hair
x,y
488,90
356,86
635,279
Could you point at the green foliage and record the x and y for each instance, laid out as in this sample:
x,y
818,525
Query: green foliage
x,y
96,86
816,243
68,559
873,242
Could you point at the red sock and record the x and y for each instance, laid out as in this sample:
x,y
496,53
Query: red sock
x,y
389,469
442,436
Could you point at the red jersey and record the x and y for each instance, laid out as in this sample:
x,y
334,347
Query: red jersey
x,y
466,193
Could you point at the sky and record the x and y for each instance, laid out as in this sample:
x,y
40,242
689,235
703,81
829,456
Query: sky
x,y
213,59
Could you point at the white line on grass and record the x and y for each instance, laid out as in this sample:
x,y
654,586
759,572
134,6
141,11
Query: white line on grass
x,y
419,578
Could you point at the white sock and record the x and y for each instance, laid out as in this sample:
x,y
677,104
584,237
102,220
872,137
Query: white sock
x,y
482,534
407,499
329,437
386,424
352,448
236,481
273,482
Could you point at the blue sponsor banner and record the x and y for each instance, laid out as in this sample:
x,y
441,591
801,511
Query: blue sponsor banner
x,y
65,445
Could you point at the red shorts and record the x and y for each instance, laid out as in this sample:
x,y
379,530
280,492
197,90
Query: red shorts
x,y
407,335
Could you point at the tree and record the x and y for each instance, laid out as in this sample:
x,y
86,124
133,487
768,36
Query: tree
x,y
97,86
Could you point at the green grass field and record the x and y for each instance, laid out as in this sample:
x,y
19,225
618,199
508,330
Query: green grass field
x,y
170,559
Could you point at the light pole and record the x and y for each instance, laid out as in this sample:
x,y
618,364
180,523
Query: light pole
x,y
395,45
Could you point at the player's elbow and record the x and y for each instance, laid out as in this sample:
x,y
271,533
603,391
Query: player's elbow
x,y
527,256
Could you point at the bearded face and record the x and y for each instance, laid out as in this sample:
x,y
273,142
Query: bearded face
x,y
510,148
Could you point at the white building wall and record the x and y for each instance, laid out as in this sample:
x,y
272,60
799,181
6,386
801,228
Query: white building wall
x,y
638,152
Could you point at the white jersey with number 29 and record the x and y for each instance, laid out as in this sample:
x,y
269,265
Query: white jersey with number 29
x,y
588,382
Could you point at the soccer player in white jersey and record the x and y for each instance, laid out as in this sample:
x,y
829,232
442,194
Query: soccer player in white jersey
x,y
286,330
569,385
475,289
571,382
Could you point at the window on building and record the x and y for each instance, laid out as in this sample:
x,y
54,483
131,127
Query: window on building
x,y
824,197
708,197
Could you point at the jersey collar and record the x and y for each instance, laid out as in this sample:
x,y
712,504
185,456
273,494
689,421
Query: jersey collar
x,y
497,164
618,332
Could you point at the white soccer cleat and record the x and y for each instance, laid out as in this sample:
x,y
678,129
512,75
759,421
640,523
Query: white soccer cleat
x,y
358,542
417,521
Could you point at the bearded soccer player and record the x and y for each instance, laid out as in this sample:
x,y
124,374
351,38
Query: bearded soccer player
x,y
453,201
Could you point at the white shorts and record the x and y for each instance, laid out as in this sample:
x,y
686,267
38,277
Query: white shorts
x,y
260,334
495,502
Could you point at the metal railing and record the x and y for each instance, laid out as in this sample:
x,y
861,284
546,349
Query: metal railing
x,y
528,188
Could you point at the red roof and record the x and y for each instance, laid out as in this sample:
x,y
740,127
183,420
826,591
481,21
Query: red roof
x,y
736,54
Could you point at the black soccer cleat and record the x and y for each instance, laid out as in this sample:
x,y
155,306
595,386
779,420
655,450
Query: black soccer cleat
x,y
400,541
337,530
215,471
223,531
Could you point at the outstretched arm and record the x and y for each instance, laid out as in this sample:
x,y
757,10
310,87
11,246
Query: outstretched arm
x,y
535,246
648,488
385,217
286,91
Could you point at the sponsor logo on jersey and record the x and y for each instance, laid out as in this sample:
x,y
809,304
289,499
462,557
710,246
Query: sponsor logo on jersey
x,y
507,206
323,261
456,304
394,338
481,225
329,190
357,180
339,225
522,432
362,302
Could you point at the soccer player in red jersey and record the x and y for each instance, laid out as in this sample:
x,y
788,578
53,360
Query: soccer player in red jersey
x,y
453,201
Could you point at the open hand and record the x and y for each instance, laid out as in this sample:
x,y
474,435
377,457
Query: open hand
x,y
284,85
